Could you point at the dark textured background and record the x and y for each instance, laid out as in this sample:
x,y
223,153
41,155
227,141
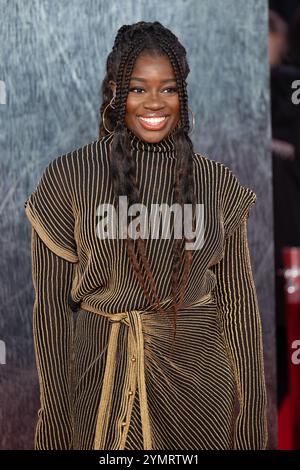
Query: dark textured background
x,y
52,59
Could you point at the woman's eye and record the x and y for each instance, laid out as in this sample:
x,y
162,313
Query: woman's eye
x,y
137,88
132,89
172,89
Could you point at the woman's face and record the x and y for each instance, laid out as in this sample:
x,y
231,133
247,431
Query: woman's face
x,y
152,94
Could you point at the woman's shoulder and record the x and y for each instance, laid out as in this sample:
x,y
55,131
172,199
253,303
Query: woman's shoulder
x,y
205,162
235,198
95,149
215,173
74,161
222,179
222,173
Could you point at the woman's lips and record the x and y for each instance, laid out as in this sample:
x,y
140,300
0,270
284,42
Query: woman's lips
x,y
153,124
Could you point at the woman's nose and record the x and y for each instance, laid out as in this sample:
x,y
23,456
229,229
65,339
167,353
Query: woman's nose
x,y
154,101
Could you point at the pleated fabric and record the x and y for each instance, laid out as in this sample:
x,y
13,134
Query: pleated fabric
x,y
109,376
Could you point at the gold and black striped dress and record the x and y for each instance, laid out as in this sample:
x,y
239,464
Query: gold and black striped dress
x,y
108,376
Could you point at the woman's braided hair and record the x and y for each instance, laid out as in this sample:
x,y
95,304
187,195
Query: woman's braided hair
x,y
153,39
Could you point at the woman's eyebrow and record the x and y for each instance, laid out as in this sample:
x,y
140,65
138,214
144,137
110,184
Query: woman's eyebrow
x,y
162,81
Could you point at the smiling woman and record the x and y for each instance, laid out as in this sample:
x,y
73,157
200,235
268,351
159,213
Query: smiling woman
x,y
166,337
154,111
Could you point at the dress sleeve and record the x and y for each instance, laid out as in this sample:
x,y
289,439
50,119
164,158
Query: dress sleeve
x,y
237,201
50,209
240,322
53,339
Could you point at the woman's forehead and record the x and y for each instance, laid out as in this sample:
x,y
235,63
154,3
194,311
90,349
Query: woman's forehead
x,y
147,64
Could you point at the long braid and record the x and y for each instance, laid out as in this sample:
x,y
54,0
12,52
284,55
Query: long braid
x,y
128,184
130,41
141,243
184,179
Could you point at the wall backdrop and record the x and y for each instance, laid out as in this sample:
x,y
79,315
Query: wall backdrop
x,y
52,60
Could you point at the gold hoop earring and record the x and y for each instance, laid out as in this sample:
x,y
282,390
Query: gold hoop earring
x,y
103,115
193,122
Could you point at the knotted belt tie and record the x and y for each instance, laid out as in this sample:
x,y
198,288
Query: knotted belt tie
x,y
135,355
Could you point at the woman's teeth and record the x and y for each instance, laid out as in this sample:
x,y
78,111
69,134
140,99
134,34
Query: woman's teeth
x,y
153,120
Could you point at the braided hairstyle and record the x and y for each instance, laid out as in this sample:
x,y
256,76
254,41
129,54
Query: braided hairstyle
x,y
156,40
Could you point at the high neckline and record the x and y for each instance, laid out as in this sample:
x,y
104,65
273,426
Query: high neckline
x,y
164,147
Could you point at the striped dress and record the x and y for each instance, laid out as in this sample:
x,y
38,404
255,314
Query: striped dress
x,y
109,375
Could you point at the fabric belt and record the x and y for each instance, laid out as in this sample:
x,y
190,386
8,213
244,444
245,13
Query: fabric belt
x,y
135,377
